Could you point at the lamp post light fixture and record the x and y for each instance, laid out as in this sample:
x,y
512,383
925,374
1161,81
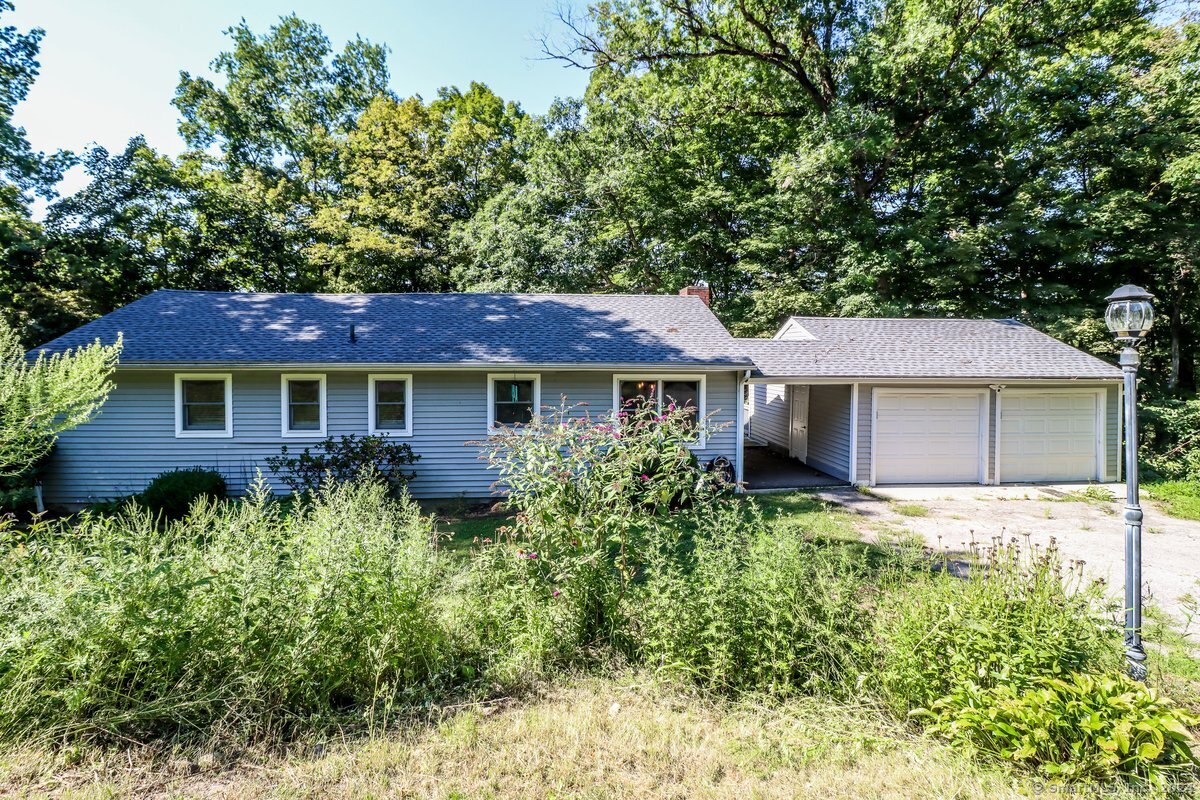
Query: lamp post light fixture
x,y
1129,317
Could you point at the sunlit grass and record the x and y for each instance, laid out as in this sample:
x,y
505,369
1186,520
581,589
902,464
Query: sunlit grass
x,y
1179,498
592,738
911,510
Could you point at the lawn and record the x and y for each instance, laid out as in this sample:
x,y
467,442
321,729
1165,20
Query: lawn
x,y
805,513
626,736
1179,498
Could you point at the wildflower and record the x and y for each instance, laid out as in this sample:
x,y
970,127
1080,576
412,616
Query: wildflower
x,y
645,477
555,593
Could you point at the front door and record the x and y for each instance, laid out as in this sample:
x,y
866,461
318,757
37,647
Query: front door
x,y
798,447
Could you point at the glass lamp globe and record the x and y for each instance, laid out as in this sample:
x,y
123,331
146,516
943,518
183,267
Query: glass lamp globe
x,y
1130,314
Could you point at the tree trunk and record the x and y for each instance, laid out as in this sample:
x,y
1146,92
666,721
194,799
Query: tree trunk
x,y
1183,355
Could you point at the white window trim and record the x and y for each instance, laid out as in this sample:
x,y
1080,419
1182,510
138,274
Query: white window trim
x,y
492,377
373,425
180,377
283,405
702,440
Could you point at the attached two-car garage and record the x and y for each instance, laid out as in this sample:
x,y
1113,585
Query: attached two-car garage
x,y
946,401
952,435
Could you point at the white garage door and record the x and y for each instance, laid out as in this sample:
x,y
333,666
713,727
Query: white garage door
x,y
1048,436
928,437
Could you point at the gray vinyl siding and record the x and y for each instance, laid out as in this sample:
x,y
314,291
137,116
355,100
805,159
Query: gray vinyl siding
x,y
1112,466
829,429
1112,447
133,438
769,423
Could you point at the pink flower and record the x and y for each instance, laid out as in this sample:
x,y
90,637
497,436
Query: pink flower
x,y
645,477
555,593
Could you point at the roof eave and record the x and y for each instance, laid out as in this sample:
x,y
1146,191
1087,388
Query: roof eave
x,y
761,377
442,365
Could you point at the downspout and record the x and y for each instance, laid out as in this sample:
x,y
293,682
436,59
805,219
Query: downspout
x,y
738,456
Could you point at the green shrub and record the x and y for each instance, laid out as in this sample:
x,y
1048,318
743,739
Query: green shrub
x,y
236,620
589,495
1078,728
1170,439
345,459
514,625
1020,616
172,493
740,607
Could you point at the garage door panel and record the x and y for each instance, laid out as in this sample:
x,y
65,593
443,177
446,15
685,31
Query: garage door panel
x,y
1049,436
930,437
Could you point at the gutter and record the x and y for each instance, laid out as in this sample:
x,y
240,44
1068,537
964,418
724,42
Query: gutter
x,y
968,379
343,366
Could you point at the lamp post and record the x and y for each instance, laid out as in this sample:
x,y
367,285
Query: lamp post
x,y
1129,317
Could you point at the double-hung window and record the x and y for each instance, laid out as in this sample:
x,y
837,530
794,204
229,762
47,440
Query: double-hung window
x,y
513,400
390,409
204,405
660,392
302,406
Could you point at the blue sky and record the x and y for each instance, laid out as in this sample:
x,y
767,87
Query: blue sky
x,y
109,67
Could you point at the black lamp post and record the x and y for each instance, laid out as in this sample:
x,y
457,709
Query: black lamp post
x,y
1129,317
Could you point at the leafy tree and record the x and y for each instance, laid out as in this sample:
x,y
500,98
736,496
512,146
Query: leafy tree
x,y
23,168
279,121
43,397
412,173
24,172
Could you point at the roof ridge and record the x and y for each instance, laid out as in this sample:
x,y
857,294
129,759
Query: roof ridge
x,y
423,294
916,319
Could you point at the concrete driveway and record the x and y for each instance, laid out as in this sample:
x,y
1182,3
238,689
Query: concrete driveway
x,y
1086,526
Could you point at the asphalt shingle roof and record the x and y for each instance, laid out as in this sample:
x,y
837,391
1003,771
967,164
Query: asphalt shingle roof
x,y
922,348
184,327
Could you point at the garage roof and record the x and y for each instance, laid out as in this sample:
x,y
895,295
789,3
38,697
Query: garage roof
x,y
991,349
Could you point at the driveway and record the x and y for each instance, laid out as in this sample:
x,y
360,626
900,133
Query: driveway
x,y
1086,526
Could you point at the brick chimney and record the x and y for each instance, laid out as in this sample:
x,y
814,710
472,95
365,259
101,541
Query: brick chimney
x,y
697,290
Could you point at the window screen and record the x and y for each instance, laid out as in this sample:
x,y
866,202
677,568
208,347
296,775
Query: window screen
x,y
304,405
637,394
514,402
684,394
204,405
391,405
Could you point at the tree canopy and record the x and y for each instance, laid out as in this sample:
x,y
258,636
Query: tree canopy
x,y
855,157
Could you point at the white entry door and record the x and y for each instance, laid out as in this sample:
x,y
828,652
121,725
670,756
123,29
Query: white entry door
x,y
929,436
1050,436
798,440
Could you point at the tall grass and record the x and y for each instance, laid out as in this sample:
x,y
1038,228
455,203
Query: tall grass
x,y
235,620
255,621
738,607
1020,615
